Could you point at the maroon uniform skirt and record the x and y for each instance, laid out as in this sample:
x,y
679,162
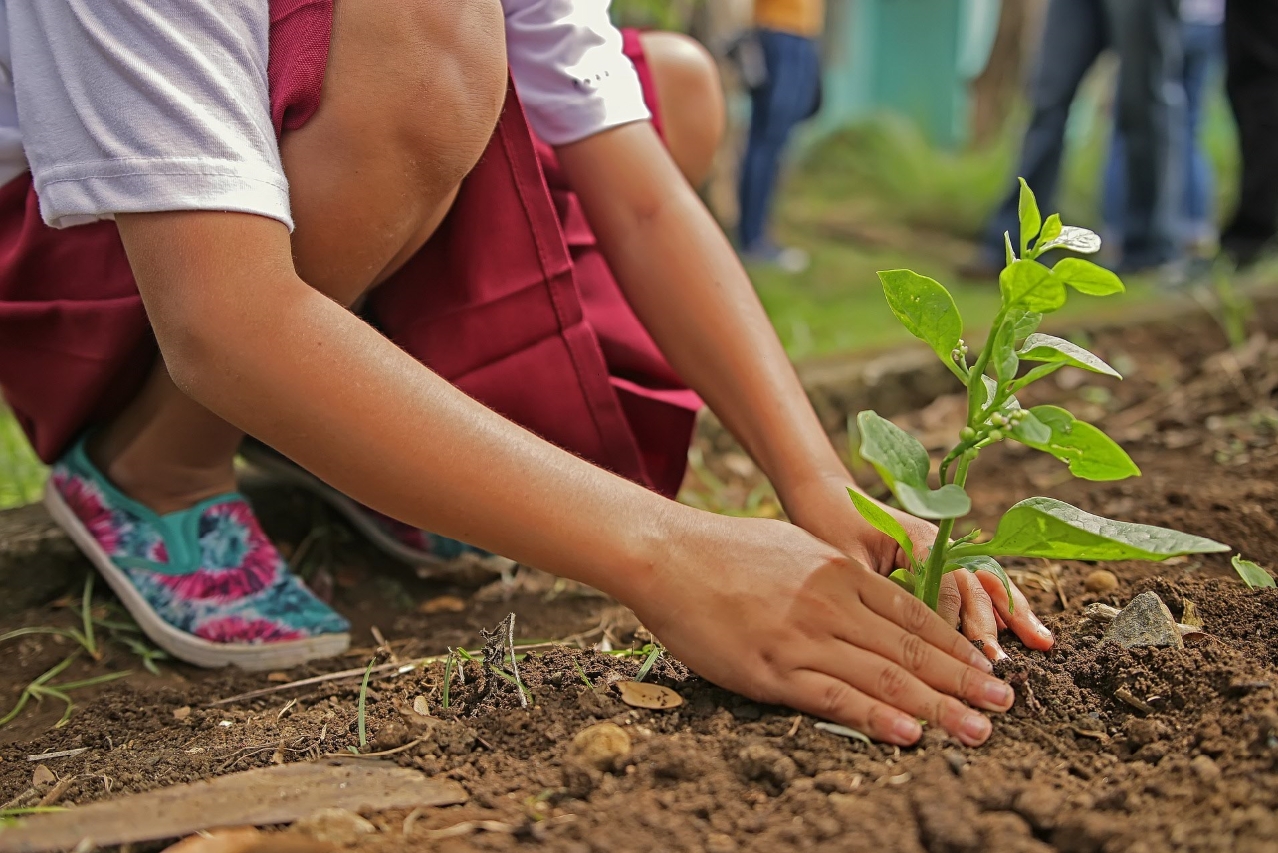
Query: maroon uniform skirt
x,y
511,300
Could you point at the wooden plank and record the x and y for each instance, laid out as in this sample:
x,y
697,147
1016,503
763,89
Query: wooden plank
x,y
265,797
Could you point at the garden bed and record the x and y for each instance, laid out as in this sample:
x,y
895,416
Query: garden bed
x,y
1104,750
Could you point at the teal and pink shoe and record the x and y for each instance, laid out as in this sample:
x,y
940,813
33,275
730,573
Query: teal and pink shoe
x,y
429,553
205,584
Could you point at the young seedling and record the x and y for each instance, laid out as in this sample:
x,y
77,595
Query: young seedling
x,y
1252,574
1036,527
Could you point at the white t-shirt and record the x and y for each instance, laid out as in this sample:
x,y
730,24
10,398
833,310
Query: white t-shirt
x,y
148,105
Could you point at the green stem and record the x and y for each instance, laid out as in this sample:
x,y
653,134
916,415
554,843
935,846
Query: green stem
x,y
978,370
929,590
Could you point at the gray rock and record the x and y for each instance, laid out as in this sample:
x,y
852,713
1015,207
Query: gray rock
x,y
1146,621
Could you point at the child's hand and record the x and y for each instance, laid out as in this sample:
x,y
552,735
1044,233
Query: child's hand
x,y
975,602
764,608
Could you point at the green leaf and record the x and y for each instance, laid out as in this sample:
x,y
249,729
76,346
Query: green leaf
x,y
882,521
1075,239
1038,347
1253,575
1031,431
1009,252
1030,286
1051,230
903,464
1089,453
904,579
1044,527
985,564
1024,323
1031,219
1003,356
894,453
1033,375
925,308
949,501
1087,277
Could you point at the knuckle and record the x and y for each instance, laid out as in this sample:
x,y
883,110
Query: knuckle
x,y
914,653
967,681
835,701
914,614
892,682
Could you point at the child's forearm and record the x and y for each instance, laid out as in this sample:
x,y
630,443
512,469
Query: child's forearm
x,y
687,286
245,337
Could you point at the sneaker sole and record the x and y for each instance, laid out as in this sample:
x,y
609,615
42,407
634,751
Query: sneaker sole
x,y
427,565
181,645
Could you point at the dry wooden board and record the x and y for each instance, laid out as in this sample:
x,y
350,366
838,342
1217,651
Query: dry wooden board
x,y
274,795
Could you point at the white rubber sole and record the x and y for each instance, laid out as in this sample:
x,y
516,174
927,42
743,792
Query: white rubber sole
x,y
179,644
427,566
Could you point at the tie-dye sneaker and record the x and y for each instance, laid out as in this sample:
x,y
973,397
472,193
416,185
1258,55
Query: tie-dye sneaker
x,y
205,584
431,554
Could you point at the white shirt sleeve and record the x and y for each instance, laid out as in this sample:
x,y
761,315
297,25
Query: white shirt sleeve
x,y
571,74
146,105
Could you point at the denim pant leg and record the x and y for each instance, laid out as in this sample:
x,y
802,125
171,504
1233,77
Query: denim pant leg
x,y
787,97
1204,47
1150,113
1203,50
1073,37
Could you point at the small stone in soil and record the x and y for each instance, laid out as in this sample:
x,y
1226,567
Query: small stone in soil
x,y
1101,582
601,746
1146,621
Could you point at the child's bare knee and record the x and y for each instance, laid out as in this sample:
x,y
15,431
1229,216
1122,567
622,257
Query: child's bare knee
x,y
690,96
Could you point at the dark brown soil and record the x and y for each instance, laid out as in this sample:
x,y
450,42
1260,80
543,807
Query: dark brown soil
x,y
1075,766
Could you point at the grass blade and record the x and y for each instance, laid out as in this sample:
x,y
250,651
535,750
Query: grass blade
x,y
363,699
649,661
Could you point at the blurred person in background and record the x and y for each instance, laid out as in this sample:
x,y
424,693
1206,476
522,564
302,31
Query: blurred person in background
x,y
1149,104
1251,58
1203,30
786,92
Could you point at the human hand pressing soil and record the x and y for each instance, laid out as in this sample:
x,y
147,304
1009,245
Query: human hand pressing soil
x,y
770,611
975,603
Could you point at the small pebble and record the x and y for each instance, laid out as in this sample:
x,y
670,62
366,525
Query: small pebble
x,y
601,746
1101,582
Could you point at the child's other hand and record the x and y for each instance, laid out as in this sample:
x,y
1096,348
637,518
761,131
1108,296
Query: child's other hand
x,y
976,603
768,610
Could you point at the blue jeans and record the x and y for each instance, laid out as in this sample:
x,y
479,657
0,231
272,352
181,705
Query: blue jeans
x,y
1204,49
1149,104
790,94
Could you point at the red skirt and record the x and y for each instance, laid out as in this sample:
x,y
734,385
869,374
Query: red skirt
x,y
511,300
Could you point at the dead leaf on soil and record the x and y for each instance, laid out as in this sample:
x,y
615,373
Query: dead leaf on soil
x,y
279,677
1190,616
268,796
654,697
182,713
442,604
42,776
421,706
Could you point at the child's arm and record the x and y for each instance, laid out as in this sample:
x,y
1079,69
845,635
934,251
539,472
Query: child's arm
x,y
757,606
687,286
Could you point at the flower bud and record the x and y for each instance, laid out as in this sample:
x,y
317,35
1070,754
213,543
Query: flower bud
x,y
967,434
998,420
996,435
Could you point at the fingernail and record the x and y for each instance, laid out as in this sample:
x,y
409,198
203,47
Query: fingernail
x,y
981,662
997,694
1041,630
906,731
974,729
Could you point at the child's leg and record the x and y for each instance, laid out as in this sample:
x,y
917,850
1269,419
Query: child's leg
x,y
690,97
371,176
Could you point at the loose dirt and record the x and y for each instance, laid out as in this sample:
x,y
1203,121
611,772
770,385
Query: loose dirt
x,y
1105,750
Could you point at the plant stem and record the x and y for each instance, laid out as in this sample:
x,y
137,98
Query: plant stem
x,y
929,590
